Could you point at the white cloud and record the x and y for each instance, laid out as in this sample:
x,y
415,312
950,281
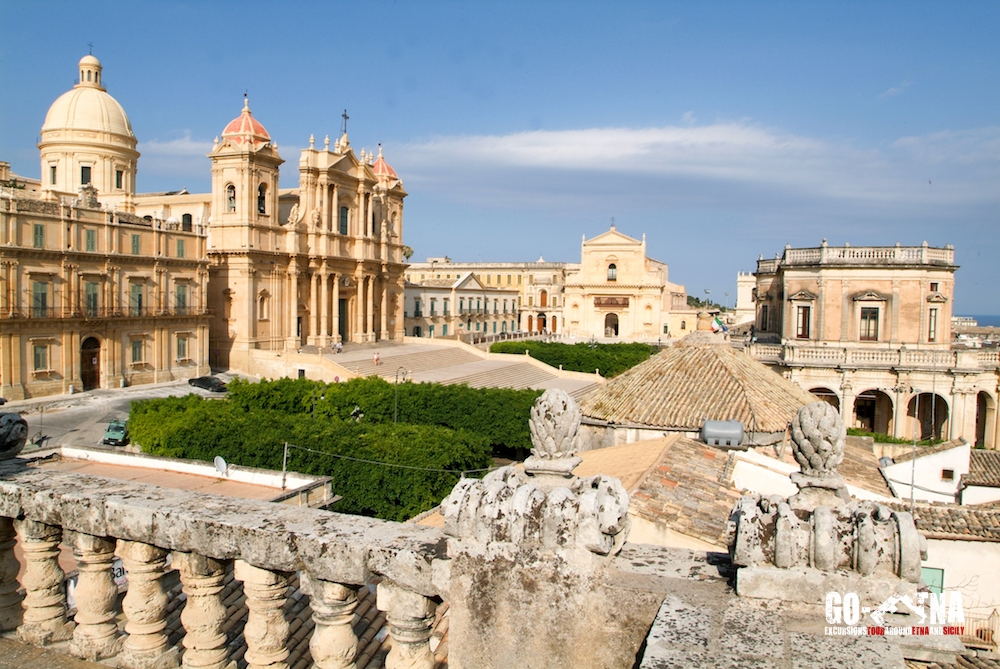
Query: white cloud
x,y
688,117
180,147
895,90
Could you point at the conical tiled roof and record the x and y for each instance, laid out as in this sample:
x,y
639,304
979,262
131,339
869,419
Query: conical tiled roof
x,y
382,169
685,384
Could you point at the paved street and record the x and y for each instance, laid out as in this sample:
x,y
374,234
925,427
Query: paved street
x,y
80,419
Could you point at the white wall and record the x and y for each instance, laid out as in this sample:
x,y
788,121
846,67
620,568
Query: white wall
x,y
969,567
928,475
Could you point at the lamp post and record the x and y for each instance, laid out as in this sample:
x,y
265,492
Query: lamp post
x,y
395,403
916,431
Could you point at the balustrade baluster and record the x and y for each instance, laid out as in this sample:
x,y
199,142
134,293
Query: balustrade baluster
x,y
44,582
96,635
267,630
10,600
204,614
145,607
333,644
411,618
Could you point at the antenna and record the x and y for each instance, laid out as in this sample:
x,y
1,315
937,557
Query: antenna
x,y
221,466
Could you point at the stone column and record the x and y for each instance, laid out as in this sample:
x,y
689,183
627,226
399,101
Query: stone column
x,y
324,325
44,585
411,618
293,309
370,315
266,631
359,308
314,308
96,635
335,314
333,644
204,613
383,326
145,607
10,600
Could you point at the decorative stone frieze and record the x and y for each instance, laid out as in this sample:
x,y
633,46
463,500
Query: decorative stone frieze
x,y
820,539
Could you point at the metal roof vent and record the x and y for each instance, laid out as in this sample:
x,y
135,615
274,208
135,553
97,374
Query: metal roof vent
x,y
725,433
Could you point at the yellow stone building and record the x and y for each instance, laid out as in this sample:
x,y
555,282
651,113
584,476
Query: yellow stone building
x,y
101,286
869,330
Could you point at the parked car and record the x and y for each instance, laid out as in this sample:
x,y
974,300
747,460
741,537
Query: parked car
x,y
209,383
116,434
2,401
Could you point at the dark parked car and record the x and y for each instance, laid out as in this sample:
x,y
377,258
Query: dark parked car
x,y
209,383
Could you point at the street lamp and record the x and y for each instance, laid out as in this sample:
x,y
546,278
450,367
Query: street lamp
x,y
916,430
395,404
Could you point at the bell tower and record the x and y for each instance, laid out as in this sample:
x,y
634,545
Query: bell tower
x,y
244,186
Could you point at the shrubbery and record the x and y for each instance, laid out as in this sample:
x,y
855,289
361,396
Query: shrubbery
x,y
886,439
611,359
440,427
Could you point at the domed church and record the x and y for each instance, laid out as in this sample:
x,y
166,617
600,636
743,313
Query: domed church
x,y
101,286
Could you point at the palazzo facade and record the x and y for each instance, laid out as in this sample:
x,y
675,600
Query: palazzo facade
x,y
868,329
102,286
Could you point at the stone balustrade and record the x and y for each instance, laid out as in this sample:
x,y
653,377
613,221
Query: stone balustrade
x,y
875,358
859,255
333,554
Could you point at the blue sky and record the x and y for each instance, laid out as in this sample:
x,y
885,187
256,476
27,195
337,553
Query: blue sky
x,y
722,131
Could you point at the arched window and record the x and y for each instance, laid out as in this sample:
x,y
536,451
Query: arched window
x,y
683,325
186,222
262,199
343,220
262,307
612,272
230,197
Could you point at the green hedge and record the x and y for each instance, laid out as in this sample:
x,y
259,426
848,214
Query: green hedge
x,y
191,427
886,439
499,415
611,359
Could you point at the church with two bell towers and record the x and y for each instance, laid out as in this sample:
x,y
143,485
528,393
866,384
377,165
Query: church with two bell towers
x,y
103,286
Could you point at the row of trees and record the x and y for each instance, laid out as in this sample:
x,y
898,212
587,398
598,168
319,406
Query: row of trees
x,y
382,468
610,359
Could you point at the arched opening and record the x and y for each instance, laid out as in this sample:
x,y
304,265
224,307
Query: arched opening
x,y
230,197
611,325
90,363
873,412
541,322
827,396
186,222
543,299
262,199
930,412
985,420
531,323
612,272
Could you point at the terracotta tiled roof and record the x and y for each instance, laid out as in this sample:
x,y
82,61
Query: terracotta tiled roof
x,y
688,491
369,626
683,385
968,661
861,468
246,129
923,451
984,468
382,169
951,521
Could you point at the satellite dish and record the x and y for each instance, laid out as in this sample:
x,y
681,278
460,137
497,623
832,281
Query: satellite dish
x,y
221,466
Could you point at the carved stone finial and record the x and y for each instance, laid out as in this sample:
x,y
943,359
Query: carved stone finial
x,y
555,419
818,436
13,435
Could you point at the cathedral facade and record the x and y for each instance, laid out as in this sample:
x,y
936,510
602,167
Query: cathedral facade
x,y
101,286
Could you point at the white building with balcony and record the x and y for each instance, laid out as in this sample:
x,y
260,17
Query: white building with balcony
x,y
460,306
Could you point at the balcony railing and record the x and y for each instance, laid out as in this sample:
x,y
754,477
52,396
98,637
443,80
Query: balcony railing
x,y
860,255
203,537
40,313
864,356
982,631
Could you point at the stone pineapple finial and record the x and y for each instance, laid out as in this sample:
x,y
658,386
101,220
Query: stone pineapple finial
x,y
818,437
13,435
555,419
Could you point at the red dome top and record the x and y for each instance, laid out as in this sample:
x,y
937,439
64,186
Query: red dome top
x,y
381,169
246,129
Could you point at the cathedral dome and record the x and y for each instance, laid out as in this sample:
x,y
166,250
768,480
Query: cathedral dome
x,y
88,107
245,129
382,169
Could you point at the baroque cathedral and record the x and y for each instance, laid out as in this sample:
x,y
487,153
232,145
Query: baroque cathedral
x,y
101,286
